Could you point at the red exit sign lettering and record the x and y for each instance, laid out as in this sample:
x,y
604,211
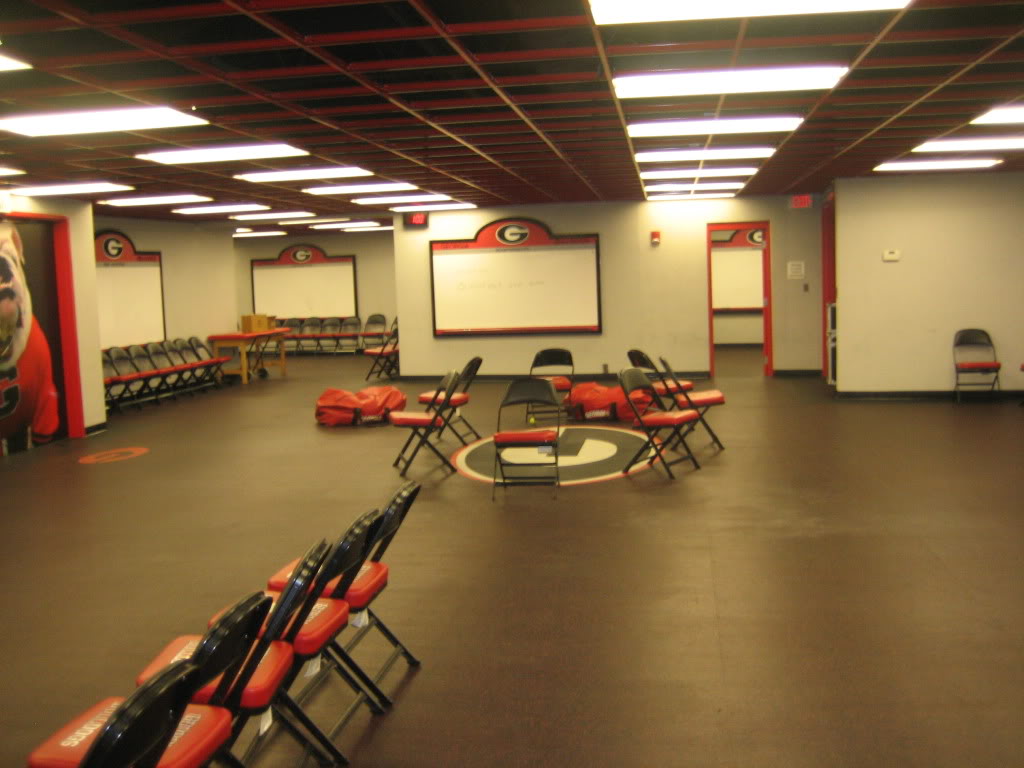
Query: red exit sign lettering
x,y
801,201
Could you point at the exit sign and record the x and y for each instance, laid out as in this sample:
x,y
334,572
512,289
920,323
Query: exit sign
x,y
416,219
801,201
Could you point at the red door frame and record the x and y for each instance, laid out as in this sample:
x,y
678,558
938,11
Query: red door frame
x,y
740,240
68,324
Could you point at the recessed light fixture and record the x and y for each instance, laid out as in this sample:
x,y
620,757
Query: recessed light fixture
x,y
693,173
319,220
226,208
98,121
1001,115
264,233
436,207
346,225
938,165
368,229
971,145
221,154
123,202
696,196
701,83
732,153
298,174
274,215
4,171
399,199
694,187
243,229
639,11
710,127
84,188
342,189
7,64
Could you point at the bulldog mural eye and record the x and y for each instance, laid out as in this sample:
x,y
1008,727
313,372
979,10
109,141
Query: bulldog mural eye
x,y
28,398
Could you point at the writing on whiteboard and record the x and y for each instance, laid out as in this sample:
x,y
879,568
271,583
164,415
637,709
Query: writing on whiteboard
x,y
497,285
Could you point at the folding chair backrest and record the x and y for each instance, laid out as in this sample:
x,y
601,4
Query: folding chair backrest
x,y
140,729
294,323
345,559
121,360
376,323
227,642
158,355
529,391
351,325
173,354
140,358
311,325
392,518
973,344
202,351
108,365
551,357
634,381
185,350
331,325
469,372
667,372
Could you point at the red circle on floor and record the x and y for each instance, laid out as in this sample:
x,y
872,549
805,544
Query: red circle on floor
x,y
115,454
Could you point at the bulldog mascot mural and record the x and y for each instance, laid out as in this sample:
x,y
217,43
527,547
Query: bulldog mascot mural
x,y
28,399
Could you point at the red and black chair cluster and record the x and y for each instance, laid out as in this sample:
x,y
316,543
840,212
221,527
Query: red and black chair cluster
x,y
267,653
146,372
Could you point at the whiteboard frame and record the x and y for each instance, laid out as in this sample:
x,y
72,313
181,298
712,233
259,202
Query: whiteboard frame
x,y
478,242
319,257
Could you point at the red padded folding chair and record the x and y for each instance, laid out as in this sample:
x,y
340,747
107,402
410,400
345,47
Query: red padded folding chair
x,y
652,418
975,361
698,400
539,465
424,424
555,365
385,358
460,398
662,385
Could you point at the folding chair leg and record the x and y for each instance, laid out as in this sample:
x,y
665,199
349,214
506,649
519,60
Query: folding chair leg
x,y
395,642
367,684
319,738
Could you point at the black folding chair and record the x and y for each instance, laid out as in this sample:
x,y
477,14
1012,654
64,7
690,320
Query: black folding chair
x,y
698,400
309,335
555,365
543,443
156,381
460,399
203,370
975,361
203,353
385,358
652,417
330,332
375,332
349,335
664,386
424,424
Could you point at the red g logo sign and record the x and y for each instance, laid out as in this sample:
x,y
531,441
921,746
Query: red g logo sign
x,y
512,234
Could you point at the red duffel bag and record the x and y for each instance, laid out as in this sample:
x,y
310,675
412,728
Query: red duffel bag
x,y
338,407
590,401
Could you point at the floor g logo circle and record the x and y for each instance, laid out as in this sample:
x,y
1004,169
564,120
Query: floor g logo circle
x,y
512,234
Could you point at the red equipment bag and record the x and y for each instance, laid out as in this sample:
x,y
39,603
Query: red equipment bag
x,y
337,407
590,401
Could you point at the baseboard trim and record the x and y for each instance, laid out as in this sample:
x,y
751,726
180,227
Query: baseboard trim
x,y
948,394
794,373
96,428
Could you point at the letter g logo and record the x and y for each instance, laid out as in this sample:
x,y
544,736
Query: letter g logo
x,y
512,234
113,247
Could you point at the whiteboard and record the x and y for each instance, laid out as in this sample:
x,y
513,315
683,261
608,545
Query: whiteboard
x,y
307,290
736,280
546,289
131,304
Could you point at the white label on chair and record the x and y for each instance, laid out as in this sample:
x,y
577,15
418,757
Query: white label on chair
x,y
545,448
266,721
359,619
312,668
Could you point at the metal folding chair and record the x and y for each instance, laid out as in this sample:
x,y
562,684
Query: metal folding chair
x,y
698,400
534,452
975,361
652,417
424,424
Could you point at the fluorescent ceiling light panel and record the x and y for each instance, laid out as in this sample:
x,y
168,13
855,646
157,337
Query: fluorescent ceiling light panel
x,y
4,171
694,187
709,127
342,189
347,225
436,207
123,202
265,233
693,173
69,189
697,196
938,165
1001,115
7,64
368,229
732,153
98,121
971,145
400,199
221,154
332,172
319,220
640,11
226,208
274,215
243,229
728,81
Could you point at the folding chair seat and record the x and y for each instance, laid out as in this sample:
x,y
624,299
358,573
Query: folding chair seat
x,y
157,381
309,335
975,361
202,369
330,331
662,385
385,358
424,424
432,397
203,353
542,470
375,332
189,370
556,365
171,373
698,400
349,334
652,417
135,381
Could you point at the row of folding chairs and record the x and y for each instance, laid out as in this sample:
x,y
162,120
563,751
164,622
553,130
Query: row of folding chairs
x,y
333,335
195,698
146,372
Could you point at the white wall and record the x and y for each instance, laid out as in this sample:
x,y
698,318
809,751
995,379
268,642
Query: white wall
x,y
739,329
653,297
962,243
199,272
375,265
83,267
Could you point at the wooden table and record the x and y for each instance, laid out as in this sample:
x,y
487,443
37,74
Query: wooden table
x,y
251,352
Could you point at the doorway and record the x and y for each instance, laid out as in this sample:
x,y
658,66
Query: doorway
x,y
739,293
